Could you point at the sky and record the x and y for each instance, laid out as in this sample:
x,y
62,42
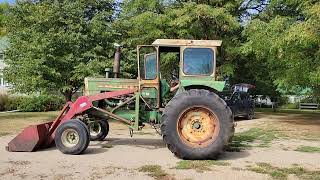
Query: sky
x,y
9,1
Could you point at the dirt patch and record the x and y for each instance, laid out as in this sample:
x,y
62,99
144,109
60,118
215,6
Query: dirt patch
x,y
270,138
8,171
19,163
62,177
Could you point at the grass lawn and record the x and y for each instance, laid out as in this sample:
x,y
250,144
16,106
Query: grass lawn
x,y
11,123
292,111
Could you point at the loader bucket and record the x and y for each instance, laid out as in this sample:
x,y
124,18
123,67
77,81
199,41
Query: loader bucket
x,y
30,139
42,136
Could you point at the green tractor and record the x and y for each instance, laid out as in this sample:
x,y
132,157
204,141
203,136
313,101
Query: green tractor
x,y
195,122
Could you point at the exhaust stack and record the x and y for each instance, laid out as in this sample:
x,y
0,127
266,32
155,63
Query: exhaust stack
x,y
116,63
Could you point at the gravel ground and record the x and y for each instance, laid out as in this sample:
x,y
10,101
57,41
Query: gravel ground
x,y
121,157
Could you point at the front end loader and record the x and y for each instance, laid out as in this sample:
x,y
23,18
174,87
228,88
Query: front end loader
x,y
194,121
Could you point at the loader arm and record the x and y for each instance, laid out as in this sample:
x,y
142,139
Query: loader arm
x,y
41,136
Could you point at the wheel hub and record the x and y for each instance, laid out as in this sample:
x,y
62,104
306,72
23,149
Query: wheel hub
x,y
198,126
70,138
94,128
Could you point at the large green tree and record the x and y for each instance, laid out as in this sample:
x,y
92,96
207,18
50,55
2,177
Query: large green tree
x,y
3,14
285,39
141,22
54,45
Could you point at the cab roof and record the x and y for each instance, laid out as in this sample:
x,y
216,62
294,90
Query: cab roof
x,y
186,42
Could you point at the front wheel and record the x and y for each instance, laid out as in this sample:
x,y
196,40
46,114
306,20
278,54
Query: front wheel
x,y
197,124
72,137
98,130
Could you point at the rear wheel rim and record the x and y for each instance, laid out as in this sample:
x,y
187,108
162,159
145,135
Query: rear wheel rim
x,y
70,138
198,127
94,128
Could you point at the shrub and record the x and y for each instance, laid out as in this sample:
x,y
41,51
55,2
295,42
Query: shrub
x,y
3,101
283,100
13,102
41,103
310,99
9,102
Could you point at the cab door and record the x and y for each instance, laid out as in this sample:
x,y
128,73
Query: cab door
x,y
149,76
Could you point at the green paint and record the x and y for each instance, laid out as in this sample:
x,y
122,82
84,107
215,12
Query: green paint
x,y
98,85
152,116
137,109
125,113
165,87
149,93
202,81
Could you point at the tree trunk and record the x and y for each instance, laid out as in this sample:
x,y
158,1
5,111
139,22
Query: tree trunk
x,y
67,95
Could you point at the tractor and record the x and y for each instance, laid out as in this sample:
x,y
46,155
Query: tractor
x,y
194,121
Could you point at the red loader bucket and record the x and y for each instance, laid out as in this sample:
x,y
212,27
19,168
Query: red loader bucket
x,y
30,139
41,136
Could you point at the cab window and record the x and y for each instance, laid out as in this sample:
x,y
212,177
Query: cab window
x,y
198,61
148,63
151,66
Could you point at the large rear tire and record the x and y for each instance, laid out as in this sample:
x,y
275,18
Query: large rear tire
x,y
197,124
72,137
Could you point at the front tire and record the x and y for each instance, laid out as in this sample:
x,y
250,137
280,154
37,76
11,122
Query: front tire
x,y
197,124
98,130
72,137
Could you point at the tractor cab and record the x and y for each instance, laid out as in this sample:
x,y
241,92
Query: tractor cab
x,y
190,63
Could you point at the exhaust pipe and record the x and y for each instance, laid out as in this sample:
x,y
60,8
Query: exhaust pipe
x,y
116,63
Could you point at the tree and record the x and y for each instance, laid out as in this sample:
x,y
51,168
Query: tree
x,y
3,13
54,45
286,39
141,22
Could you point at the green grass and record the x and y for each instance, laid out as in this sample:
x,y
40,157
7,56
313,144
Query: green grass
x,y
290,111
257,136
4,133
107,146
28,115
282,173
200,166
308,149
12,123
154,171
